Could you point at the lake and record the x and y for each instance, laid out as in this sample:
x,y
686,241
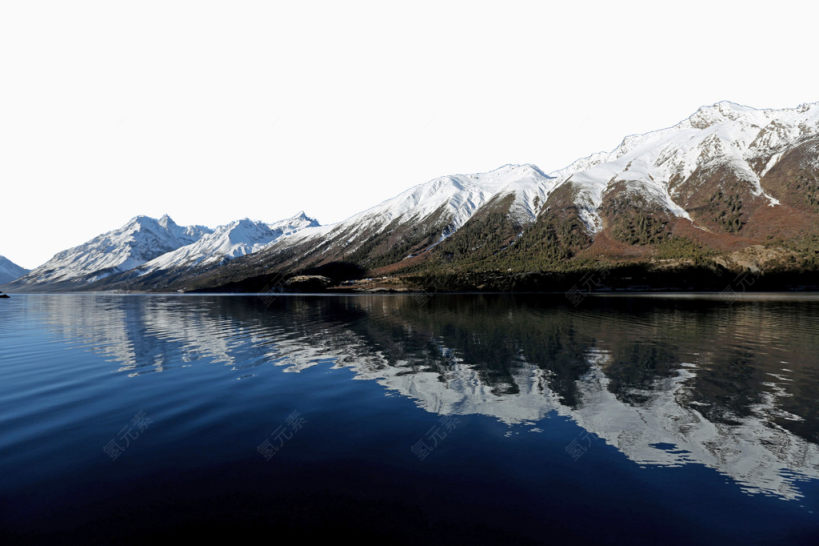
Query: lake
x,y
485,419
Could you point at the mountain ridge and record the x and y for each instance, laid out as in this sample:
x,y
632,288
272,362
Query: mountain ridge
x,y
726,178
674,194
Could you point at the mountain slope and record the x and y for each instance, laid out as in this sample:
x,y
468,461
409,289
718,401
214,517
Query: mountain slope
x,y
729,187
719,155
212,250
140,240
10,271
229,241
409,224
727,178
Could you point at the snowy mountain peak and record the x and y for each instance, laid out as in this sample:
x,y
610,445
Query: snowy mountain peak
x,y
141,239
166,221
461,195
145,244
234,239
725,108
244,230
724,132
302,216
708,115
514,170
666,173
295,223
146,223
143,220
442,205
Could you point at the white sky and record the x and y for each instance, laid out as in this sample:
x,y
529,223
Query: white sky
x,y
213,111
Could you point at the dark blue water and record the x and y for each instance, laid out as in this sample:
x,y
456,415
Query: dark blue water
x,y
409,419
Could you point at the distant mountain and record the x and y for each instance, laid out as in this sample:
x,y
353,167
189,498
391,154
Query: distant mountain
x,y
150,252
140,240
10,270
212,250
728,189
229,241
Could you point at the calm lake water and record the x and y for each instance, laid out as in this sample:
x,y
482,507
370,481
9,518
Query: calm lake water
x,y
409,419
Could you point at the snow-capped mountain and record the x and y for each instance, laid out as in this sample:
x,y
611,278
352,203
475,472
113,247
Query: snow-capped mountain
x,y
10,270
657,164
717,171
140,240
229,241
146,246
422,216
460,196
728,177
448,200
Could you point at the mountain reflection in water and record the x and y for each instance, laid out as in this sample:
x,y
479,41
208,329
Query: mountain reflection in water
x,y
731,385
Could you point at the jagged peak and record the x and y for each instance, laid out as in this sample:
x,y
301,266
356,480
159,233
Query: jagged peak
x,y
301,215
164,221
708,115
704,117
139,219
